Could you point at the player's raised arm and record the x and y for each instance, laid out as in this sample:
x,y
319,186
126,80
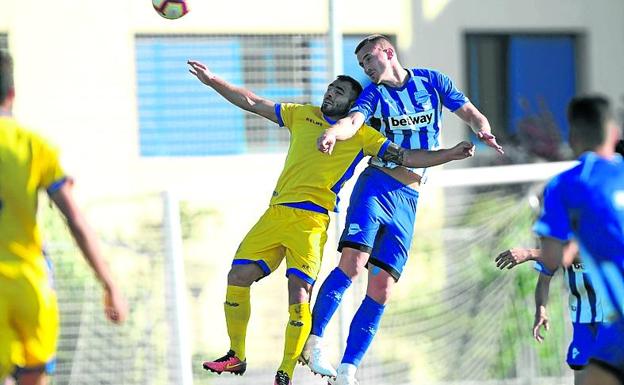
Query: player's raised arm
x,y
479,125
343,129
115,305
426,158
240,97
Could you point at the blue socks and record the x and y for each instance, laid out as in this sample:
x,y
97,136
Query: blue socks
x,y
363,329
328,299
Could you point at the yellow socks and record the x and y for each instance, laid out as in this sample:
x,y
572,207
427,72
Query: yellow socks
x,y
237,310
297,331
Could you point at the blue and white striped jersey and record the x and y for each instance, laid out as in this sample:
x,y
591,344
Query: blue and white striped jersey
x,y
411,115
585,304
587,202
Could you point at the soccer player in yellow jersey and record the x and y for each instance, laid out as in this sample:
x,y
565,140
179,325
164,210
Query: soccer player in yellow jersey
x,y
295,224
29,318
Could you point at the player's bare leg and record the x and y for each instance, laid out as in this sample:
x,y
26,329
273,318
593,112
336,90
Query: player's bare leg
x,y
597,375
364,324
298,327
237,310
352,263
32,378
579,376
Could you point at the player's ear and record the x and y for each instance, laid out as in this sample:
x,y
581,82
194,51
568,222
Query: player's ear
x,y
11,94
389,52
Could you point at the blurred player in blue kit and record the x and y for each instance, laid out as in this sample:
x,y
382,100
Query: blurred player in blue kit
x,y
586,203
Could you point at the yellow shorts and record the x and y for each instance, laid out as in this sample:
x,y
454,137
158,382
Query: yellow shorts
x,y
297,234
29,321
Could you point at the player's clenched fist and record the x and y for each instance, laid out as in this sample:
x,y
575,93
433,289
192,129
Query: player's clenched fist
x,y
462,150
326,142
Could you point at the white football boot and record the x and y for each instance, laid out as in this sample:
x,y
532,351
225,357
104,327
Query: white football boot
x,y
313,356
345,375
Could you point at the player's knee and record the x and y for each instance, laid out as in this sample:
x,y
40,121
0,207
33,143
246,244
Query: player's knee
x,y
353,262
299,290
379,290
244,275
33,378
379,294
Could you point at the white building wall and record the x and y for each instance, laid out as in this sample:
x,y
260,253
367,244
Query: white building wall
x,y
439,28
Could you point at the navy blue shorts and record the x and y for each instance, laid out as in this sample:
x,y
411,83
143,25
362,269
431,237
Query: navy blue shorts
x,y
609,349
582,345
380,220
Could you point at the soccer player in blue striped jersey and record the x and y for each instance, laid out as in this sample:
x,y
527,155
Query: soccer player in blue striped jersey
x,y
586,203
405,106
585,303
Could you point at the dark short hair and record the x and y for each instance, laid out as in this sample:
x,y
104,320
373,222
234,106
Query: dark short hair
x,y
356,87
588,116
6,74
620,147
371,39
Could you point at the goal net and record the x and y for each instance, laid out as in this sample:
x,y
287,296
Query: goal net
x,y
454,318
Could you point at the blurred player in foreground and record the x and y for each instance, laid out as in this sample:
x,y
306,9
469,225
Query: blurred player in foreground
x,y
295,224
585,302
406,106
29,318
587,203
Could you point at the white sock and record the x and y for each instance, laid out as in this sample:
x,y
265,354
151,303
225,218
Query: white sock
x,y
347,369
315,340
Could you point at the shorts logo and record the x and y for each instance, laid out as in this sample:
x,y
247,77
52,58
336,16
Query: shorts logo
x,y
296,323
232,304
354,228
575,353
411,121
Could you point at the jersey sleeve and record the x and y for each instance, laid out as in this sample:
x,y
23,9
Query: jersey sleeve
x,y
367,102
285,113
452,98
47,165
373,142
554,221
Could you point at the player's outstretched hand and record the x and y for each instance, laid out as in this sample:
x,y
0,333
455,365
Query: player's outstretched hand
x,y
490,140
462,150
201,71
326,142
115,306
512,257
540,320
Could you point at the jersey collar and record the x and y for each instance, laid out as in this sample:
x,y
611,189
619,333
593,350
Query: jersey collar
x,y
401,88
592,156
328,120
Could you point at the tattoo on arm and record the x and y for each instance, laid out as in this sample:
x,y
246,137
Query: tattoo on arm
x,y
394,153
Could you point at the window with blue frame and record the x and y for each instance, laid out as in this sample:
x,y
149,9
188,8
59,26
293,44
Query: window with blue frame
x,y
523,83
178,116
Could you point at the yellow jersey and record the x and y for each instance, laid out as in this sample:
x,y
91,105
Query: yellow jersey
x,y
27,164
310,176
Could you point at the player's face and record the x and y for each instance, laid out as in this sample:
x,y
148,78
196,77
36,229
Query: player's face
x,y
336,101
375,62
